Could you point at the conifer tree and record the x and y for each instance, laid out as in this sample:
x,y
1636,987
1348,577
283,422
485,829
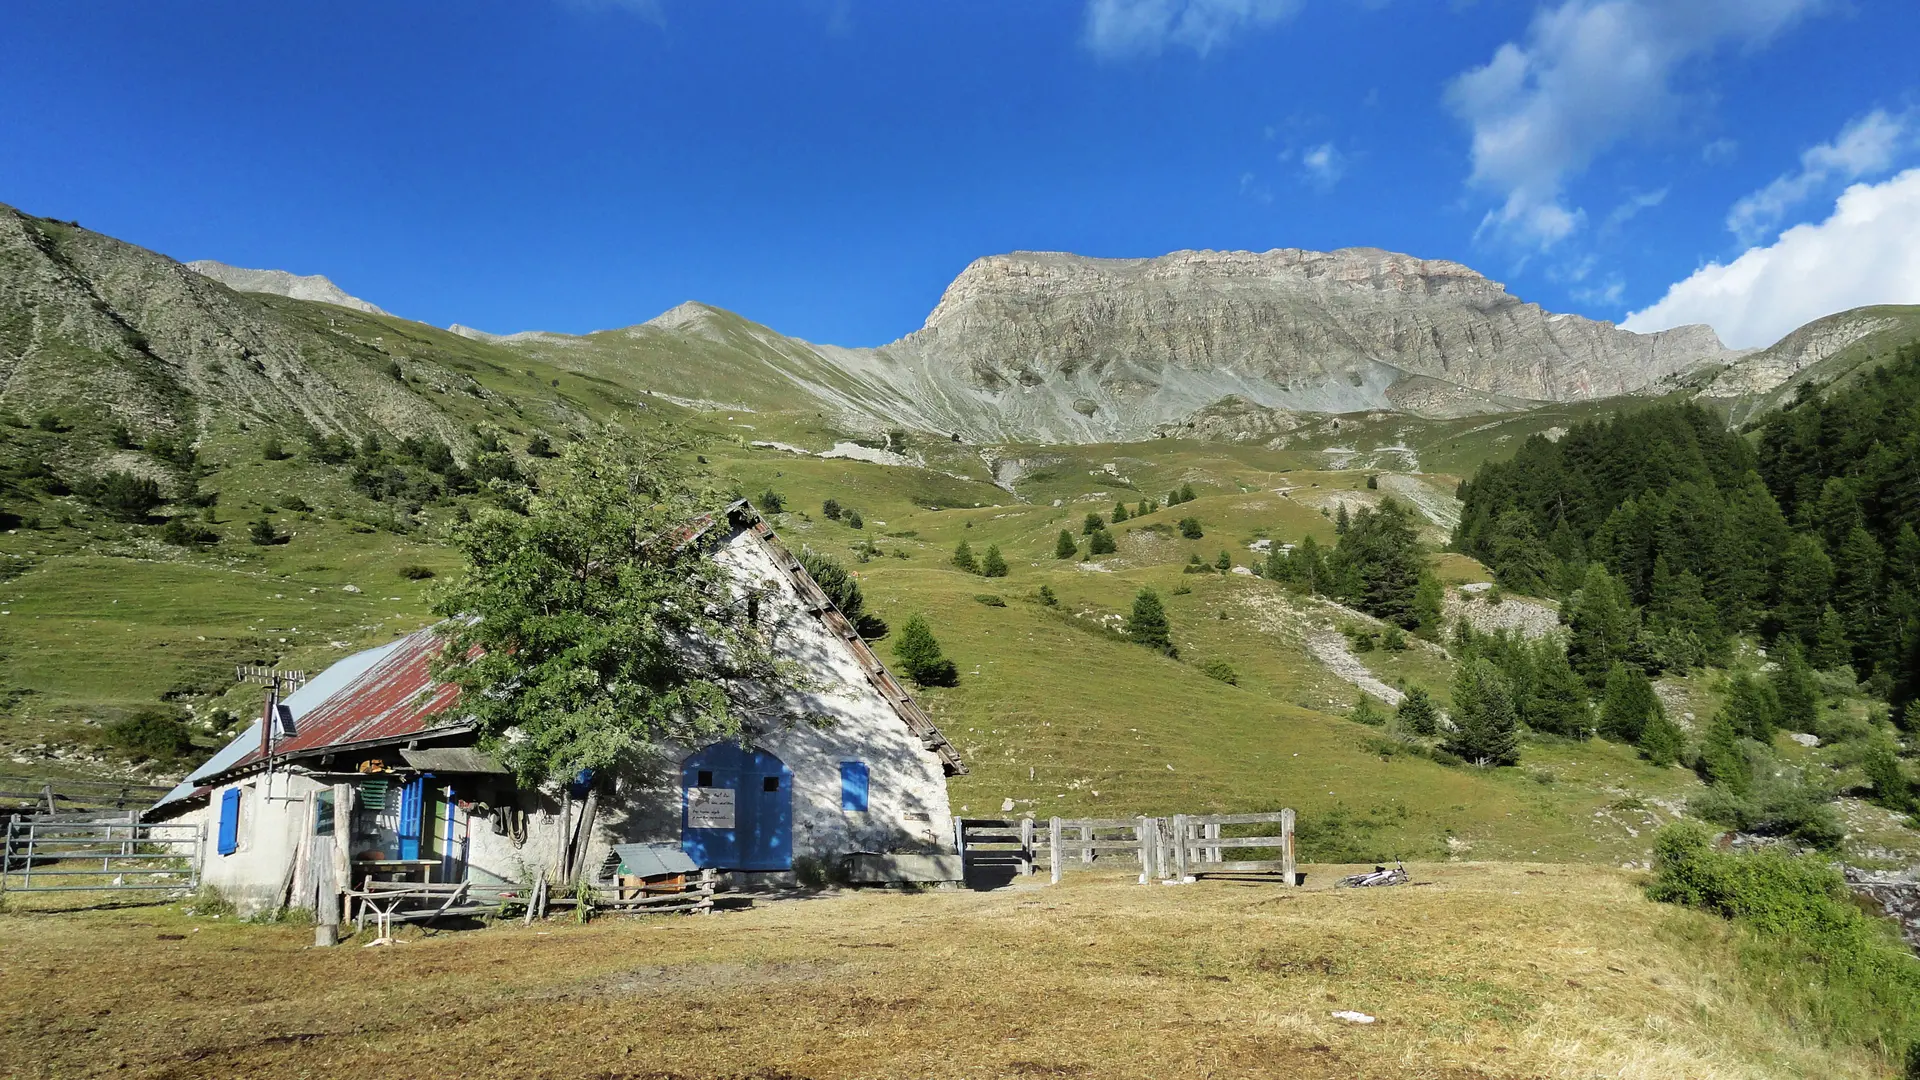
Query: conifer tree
x,y
1101,543
1224,563
1629,704
993,565
1806,582
920,657
1601,627
854,521
1146,507
1277,566
1186,493
1830,649
1485,725
1793,686
1723,760
830,509
1751,708
1093,524
1558,705
1428,598
1891,788
1378,564
1065,548
1417,714
1662,741
1147,624
1190,528
1341,521
1364,711
963,558
1119,512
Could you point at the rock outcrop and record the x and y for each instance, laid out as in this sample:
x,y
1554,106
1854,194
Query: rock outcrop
x,y
280,283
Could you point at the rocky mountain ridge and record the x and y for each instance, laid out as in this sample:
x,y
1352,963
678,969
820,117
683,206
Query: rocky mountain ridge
x,y
313,287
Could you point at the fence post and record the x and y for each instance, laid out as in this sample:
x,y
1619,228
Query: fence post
x,y
1286,846
1180,847
1086,838
1147,847
1026,845
1055,836
1211,852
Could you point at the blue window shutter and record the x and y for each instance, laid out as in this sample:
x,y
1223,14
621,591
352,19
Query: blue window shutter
x,y
853,786
230,821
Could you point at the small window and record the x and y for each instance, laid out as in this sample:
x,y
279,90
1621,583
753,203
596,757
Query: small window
x,y
703,778
853,786
771,783
323,814
229,821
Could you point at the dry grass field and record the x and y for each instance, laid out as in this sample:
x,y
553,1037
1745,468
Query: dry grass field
x,y
1477,970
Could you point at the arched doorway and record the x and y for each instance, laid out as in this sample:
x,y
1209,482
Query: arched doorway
x,y
736,809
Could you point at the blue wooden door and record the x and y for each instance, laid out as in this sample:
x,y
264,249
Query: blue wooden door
x,y
760,789
412,805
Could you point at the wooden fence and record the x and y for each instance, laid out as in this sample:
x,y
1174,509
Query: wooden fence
x,y
1184,847
35,795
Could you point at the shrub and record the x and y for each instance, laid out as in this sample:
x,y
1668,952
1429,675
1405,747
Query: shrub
x,y
51,421
183,533
1394,639
1195,566
1046,596
1224,563
151,735
830,509
990,599
1221,670
855,521
416,573
263,533
126,496
274,450
1190,528
845,593
1364,711
772,502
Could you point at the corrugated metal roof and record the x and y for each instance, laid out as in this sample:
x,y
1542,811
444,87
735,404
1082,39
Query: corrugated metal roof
x,y
393,698
654,860
300,702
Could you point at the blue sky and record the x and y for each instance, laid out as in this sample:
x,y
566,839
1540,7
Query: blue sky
x,y
827,167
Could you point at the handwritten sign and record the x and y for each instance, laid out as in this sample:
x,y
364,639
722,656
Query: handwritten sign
x,y
710,808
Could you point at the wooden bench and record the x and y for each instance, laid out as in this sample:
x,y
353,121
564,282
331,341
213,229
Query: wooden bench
x,y
387,899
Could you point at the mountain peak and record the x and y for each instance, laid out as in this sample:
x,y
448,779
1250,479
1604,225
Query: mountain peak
x,y
281,283
683,315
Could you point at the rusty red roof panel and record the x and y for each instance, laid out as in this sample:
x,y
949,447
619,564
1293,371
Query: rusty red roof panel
x,y
394,698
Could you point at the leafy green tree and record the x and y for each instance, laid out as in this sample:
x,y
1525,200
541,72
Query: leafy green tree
x,y
1417,713
1065,548
1629,704
570,625
1093,524
1190,528
964,559
920,657
1485,722
1119,512
1794,688
1147,623
1101,543
993,565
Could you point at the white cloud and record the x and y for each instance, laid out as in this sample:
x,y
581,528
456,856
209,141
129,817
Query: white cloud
x,y
1590,74
1631,208
1863,254
1325,164
649,10
1866,147
1134,27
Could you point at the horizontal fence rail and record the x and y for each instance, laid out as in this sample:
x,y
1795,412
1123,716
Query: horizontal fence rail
x,y
1183,847
99,856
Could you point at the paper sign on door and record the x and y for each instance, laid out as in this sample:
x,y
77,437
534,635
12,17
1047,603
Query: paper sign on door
x,y
710,808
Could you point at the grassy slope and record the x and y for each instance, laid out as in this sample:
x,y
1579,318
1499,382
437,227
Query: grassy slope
x,y
1481,971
